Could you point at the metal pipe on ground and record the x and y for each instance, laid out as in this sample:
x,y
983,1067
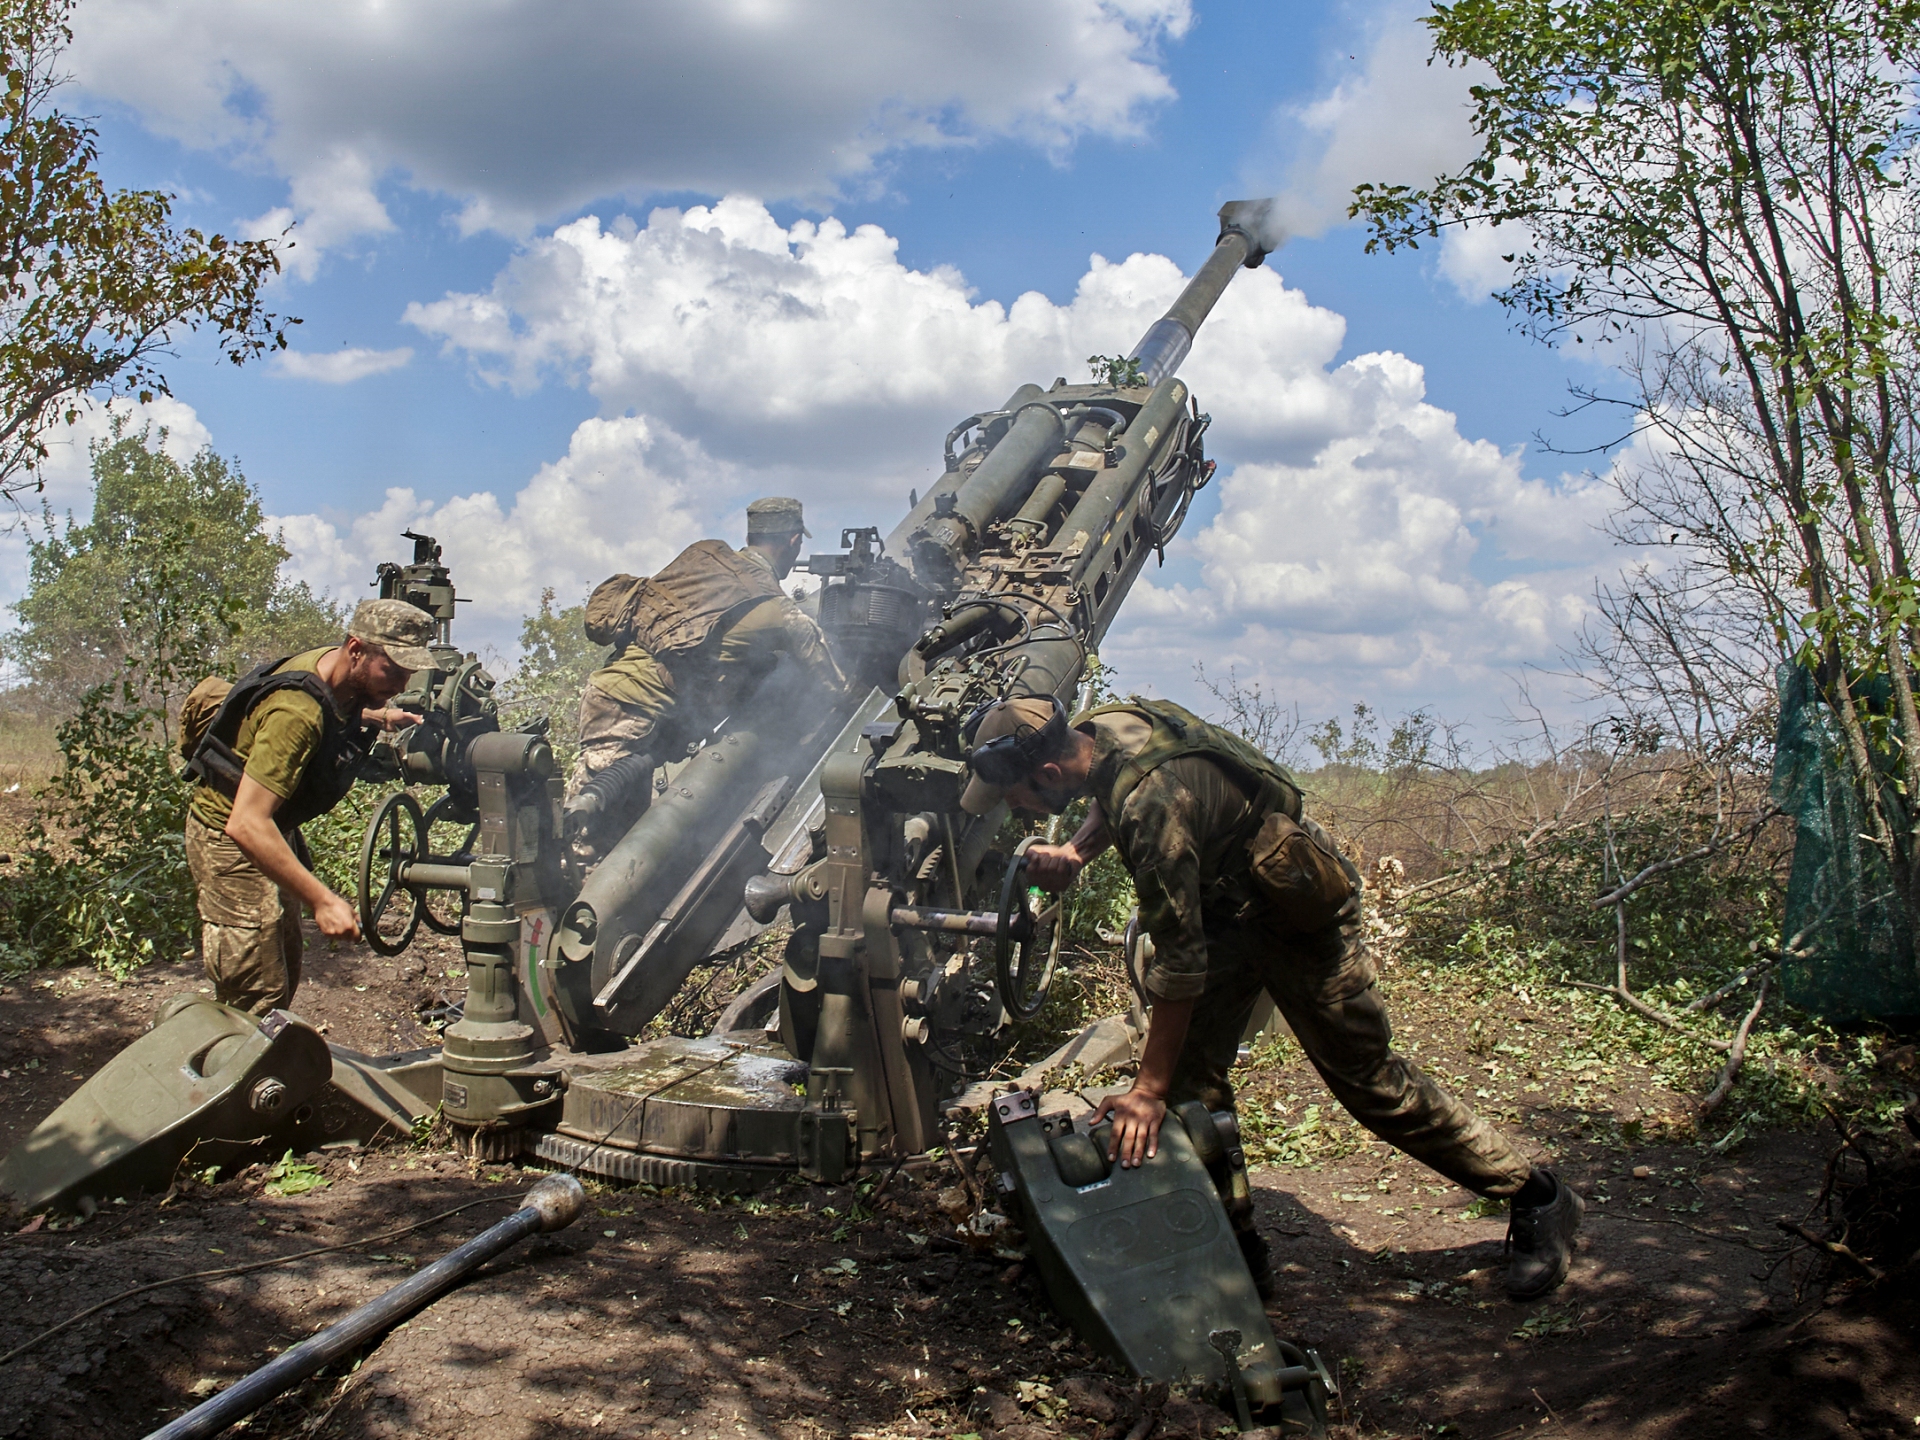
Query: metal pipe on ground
x,y
553,1204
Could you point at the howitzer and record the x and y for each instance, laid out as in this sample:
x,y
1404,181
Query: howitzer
x,y
912,936
843,813
1001,580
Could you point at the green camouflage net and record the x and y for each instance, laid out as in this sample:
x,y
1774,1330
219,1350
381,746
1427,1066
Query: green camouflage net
x,y
1858,942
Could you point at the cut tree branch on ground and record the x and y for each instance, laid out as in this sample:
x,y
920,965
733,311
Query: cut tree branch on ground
x,y
1737,1047
1736,1056
1833,1248
1625,996
1640,1007
1674,862
1694,1007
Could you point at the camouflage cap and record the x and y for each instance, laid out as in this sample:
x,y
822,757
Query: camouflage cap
x,y
1022,720
776,515
403,631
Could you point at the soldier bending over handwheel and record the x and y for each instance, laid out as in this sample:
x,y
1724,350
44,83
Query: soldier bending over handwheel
x,y
693,642
1241,892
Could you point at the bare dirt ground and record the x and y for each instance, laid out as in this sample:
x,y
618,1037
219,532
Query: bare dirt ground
x,y
810,1312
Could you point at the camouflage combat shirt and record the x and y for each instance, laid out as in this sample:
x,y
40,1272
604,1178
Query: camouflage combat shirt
x,y
748,650
1182,834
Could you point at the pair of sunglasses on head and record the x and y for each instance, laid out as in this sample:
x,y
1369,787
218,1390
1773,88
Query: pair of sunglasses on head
x,y
1009,759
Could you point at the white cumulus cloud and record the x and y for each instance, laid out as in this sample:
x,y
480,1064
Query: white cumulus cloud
x,y
1358,544
814,340
628,495
1401,560
520,111
339,367
1400,119
1361,545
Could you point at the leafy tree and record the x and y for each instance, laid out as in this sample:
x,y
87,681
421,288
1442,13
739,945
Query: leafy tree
x,y
104,877
187,545
173,578
1721,188
95,284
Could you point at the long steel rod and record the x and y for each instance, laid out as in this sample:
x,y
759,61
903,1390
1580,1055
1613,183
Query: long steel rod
x,y
553,1204
958,922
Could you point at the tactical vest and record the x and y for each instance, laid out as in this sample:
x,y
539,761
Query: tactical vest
x,y
336,762
686,608
1179,732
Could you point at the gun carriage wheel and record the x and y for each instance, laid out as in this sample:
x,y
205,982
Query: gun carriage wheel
x,y
394,898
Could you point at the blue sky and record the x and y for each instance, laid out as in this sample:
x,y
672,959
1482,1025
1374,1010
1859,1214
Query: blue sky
x,y
562,391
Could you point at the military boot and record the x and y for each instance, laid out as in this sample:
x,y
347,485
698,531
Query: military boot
x,y
1540,1236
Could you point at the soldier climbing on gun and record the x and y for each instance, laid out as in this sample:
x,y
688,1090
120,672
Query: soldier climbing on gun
x,y
693,643
1241,892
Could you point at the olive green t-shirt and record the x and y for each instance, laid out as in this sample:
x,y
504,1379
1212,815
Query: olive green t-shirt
x,y
275,743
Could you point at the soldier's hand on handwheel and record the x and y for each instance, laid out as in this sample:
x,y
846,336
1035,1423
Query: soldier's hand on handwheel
x,y
1053,867
390,719
336,919
1136,1116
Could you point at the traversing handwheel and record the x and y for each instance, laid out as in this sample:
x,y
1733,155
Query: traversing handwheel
x,y
443,908
390,911
1022,977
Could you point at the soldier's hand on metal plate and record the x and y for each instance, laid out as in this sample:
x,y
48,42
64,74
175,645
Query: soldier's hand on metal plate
x,y
336,918
1053,867
1136,1116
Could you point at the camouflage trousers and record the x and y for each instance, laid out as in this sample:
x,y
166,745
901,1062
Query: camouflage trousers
x,y
1322,983
611,731
249,927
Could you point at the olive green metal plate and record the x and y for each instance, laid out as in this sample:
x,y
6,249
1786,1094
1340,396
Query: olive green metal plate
x,y
698,1103
207,1084
1141,1262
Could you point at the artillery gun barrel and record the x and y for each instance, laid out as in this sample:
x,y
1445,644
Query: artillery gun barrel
x,y
1243,224
553,1204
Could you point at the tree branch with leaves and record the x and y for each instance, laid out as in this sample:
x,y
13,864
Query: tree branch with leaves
x,y
96,285
1722,189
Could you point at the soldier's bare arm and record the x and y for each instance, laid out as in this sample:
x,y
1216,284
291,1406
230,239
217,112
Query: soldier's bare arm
x,y
1053,867
1138,1114
389,719
251,827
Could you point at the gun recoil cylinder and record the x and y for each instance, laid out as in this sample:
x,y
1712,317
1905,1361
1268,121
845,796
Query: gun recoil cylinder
x,y
1031,523
1000,483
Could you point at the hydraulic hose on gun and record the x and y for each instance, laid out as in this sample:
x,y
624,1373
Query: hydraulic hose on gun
x,y
553,1204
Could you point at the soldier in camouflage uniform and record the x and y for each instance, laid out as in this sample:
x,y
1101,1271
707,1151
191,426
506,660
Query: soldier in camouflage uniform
x,y
283,748
693,642
1241,892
